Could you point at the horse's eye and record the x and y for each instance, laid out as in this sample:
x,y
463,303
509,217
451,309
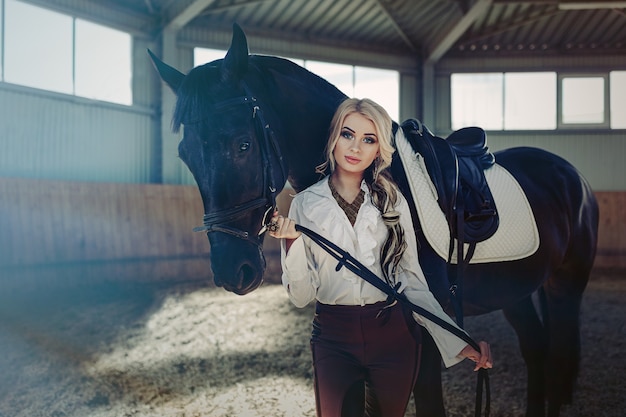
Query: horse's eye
x,y
244,146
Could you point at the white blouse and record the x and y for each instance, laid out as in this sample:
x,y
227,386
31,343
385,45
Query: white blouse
x,y
309,271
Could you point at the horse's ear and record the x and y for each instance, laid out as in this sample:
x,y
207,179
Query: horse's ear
x,y
236,60
170,75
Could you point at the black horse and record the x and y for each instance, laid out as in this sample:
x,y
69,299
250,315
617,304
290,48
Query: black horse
x,y
253,122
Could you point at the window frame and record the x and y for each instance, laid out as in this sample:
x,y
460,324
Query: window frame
x,y
605,124
127,99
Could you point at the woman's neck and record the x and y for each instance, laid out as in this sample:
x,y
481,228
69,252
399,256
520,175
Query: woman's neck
x,y
348,185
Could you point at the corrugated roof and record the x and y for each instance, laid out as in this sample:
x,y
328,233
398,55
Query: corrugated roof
x,y
427,28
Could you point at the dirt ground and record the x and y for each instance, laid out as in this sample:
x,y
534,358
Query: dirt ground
x,y
115,350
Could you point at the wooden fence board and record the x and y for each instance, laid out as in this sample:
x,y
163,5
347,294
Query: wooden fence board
x,y
53,231
612,230
67,231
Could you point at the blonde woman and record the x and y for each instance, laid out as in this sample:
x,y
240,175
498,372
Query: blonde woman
x,y
365,347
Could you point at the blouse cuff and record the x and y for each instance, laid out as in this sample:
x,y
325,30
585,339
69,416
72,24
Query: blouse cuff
x,y
293,266
449,345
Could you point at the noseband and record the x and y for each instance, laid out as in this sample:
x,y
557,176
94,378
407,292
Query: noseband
x,y
218,220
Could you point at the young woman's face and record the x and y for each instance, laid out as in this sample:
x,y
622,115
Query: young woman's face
x,y
357,146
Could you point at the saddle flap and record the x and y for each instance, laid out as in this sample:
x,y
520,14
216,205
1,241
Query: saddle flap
x,y
439,159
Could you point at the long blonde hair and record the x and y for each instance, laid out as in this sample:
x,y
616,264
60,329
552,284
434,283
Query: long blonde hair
x,y
383,191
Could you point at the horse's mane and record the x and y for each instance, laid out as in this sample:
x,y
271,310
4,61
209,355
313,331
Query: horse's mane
x,y
195,97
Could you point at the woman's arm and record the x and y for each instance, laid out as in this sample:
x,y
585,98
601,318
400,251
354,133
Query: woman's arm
x,y
299,275
452,348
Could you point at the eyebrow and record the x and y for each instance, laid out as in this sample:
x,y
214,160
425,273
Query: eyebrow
x,y
366,134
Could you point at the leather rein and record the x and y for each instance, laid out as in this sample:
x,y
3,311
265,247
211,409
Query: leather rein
x,y
345,259
218,220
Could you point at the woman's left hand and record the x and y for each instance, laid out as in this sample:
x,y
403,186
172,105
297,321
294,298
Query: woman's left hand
x,y
282,227
483,358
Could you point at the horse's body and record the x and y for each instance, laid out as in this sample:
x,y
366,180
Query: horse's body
x,y
240,151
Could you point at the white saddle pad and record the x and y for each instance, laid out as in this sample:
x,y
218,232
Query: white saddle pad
x,y
517,236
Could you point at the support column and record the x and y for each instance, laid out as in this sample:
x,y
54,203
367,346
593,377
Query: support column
x,y
409,97
428,95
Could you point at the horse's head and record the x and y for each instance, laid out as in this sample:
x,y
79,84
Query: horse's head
x,y
230,148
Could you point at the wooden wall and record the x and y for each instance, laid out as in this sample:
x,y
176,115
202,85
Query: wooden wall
x,y
612,230
57,231
79,232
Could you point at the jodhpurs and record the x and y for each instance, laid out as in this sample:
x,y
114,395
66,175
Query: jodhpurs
x,y
365,360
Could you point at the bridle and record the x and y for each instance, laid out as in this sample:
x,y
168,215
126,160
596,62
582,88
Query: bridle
x,y
218,220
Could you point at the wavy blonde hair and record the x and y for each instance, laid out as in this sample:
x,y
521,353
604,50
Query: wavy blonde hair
x,y
383,191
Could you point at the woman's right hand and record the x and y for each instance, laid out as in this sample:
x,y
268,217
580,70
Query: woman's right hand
x,y
281,227
482,359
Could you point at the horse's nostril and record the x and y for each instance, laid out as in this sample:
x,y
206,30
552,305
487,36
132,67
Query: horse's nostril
x,y
236,268
246,273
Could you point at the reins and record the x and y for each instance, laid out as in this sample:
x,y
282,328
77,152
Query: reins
x,y
345,259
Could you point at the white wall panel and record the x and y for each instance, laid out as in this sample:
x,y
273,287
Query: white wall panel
x,y
47,135
598,156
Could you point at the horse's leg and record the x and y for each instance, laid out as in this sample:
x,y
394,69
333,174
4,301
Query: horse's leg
x,y
561,305
427,393
533,344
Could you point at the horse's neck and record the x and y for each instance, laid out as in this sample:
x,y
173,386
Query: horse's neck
x,y
304,105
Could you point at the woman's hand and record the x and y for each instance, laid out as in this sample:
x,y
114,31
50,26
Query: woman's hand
x,y
281,227
483,358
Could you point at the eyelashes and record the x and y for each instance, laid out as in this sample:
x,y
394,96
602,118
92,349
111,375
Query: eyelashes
x,y
348,134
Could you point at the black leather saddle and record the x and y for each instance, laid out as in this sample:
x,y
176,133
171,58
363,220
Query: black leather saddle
x,y
456,167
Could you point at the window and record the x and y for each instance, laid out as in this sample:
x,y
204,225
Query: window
x,y
103,63
582,100
498,101
382,86
530,101
476,100
37,47
341,76
618,99
204,55
538,100
57,52
1,40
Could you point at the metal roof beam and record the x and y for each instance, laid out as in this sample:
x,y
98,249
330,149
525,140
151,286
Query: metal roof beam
x,y
569,4
221,8
591,5
506,26
397,27
186,14
436,51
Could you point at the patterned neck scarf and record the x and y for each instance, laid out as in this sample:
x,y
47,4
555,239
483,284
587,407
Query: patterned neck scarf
x,y
351,209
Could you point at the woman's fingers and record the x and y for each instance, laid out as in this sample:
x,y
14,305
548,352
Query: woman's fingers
x,y
484,360
282,227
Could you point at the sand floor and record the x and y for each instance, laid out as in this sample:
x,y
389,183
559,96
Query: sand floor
x,y
115,350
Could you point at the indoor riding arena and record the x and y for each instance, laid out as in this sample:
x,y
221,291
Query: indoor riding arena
x,y
108,306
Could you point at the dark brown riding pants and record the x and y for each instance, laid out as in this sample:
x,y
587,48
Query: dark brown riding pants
x,y
365,360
